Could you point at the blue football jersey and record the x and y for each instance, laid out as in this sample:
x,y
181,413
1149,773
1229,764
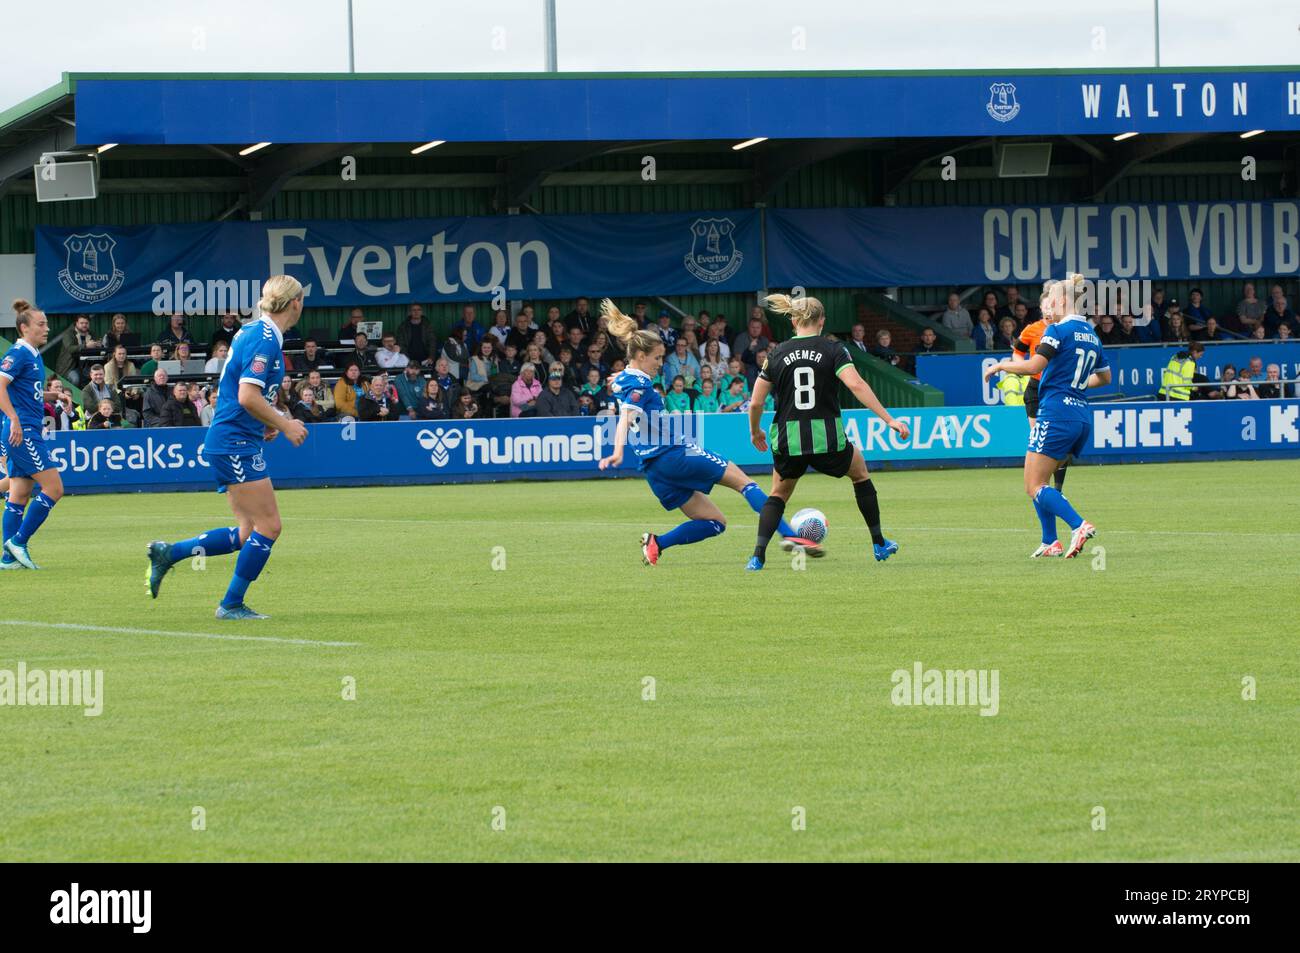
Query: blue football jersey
x,y
650,430
1073,352
255,358
23,368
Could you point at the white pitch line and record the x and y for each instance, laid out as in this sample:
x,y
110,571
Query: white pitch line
x,y
74,627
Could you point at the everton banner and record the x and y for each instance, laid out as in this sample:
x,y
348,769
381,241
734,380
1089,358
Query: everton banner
x,y
1135,371
886,247
216,268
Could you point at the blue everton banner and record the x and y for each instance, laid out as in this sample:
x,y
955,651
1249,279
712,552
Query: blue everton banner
x,y
1135,371
571,447
950,245
565,107
218,267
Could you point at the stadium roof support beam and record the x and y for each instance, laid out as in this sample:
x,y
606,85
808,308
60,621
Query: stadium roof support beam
x,y
1129,154
902,166
776,163
523,174
269,177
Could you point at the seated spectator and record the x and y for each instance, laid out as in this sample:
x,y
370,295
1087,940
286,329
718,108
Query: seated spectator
x,y
410,390
117,367
1241,388
61,408
1250,310
433,403
1175,329
521,335
1008,310
389,356
594,385
307,410
858,338
1159,306
757,313
525,391
556,400
105,418
312,358
1126,333
210,410
665,329
1258,333
466,407
1278,313
984,333
956,318
471,333
750,342
677,400
500,329
99,389
416,338
1271,387
884,348
447,380
347,392
74,344
455,352
990,303
217,362
119,332
226,330
717,331
681,362
482,366
1195,314
322,396
1107,331
175,333
179,411
735,369
1004,340
929,342
706,402
581,317
156,397
374,404
361,355
735,398
1210,331
348,333
182,355
1284,331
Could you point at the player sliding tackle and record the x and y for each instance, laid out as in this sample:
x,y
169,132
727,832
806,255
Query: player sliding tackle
x,y
1071,360
679,473
807,430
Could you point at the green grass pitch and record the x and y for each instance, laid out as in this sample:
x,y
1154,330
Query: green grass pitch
x,y
517,693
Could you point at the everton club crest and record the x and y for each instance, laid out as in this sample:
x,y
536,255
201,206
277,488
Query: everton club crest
x,y
90,274
714,256
1002,104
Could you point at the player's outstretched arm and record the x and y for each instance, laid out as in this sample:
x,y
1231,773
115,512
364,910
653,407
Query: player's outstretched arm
x,y
1099,378
7,408
620,440
863,392
762,387
1035,365
253,401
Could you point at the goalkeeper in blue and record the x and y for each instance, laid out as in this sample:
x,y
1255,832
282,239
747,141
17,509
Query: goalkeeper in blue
x,y
245,417
1071,360
680,474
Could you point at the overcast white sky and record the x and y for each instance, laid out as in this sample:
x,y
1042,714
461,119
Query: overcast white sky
x,y
507,35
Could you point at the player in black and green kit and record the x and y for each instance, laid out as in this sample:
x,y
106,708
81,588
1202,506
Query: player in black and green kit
x,y
802,374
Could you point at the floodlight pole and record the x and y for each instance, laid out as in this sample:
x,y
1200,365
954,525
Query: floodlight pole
x,y
548,27
1157,14
352,56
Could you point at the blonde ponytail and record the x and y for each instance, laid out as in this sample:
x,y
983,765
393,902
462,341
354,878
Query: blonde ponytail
x,y
803,312
623,328
278,292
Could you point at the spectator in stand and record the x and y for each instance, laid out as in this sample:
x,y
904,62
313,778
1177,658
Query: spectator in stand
x,y
735,396
884,348
556,400
1008,310
156,354
347,392
1149,329
179,411
956,318
307,410
1175,329
466,407
565,358
119,366
682,363
175,333
361,355
348,333
664,327
676,400
410,390
521,335
508,362
456,352
991,303
718,331
61,408
471,332
1228,375
750,342
525,391
557,336
1241,389
1250,310
735,369
433,403
312,358
581,317
1196,314
374,404
756,313
929,342
446,379
1271,388
416,338
118,332
390,356
106,417
482,367
156,396
500,329
217,362
533,355
713,358
99,389
226,330
707,401
1159,306
593,386
1210,331
1284,332
858,338
984,333
640,315
1256,368
1126,333
181,355
1107,331
1258,333
322,396
75,342
1008,331
1278,312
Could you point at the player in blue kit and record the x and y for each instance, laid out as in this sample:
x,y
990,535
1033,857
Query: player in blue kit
x,y
22,400
679,473
245,417
1071,360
